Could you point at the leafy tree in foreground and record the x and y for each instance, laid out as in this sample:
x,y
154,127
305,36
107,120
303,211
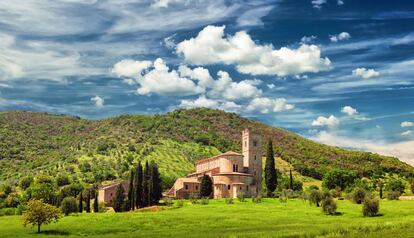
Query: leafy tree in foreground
x,y
270,170
118,201
69,205
206,186
88,202
138,187
39,213
131,199
95,203
80,205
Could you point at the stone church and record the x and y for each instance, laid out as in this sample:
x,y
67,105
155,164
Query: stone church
x,y
231,172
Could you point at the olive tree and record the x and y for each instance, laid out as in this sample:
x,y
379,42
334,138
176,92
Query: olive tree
x,y
38,213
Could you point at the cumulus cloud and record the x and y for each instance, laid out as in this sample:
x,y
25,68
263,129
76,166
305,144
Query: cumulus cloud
x,y
330,121
350,111
402,150
130,68
407,124
267,105
341,36
202,101
407,133
98,101
365,73
211,46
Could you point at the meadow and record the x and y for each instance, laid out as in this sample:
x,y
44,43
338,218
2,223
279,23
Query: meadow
x,y
271,218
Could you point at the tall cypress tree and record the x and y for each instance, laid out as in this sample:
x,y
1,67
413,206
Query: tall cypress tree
x,y
88,203
95,203
138,186
206,186
131,191
146,191
291,179
156,190
118,202
270,170
80,208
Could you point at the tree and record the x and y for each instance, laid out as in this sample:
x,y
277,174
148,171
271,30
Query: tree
x,y
339,178
328,204
88,202
412,186
290,179
138,186
315,197
370,207
156,184
118,202
38,213
131,192
80,205
270,170
25,182
206,186
146,191
358,195
69,205
396,185
95,203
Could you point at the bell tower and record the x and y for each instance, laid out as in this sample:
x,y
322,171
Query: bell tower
x,y
252,157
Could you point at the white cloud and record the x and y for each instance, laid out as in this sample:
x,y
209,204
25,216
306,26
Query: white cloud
x,y
341,36
407,133
340,2
365,73
318,3
330,121
130,68
407,124
202,101
270,85
253,16
98,101
350,111
202,75
210,46
169,42
307,39
402,150
267,105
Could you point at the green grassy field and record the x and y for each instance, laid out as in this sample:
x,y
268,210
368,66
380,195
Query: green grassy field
x,y
270,218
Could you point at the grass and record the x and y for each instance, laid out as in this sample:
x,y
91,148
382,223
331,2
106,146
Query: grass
x,y
218,219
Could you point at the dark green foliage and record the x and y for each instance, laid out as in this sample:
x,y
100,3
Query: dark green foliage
x,y
370,207
119,199
206,186
95,203
131,192
358,195
288,182
69,205
88,202
393,195
315,197
156,184
290,179
71,190
42,191
146,184
25,182
412,186
339,178
328,204
80,203
270,170
380,185
396,185
62,179
139,187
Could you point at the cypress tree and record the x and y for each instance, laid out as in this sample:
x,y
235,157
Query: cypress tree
x,y
291,179
131,191
270,170
95,203
88,203
138,187
206,186
118,202
80,208
146,191
156,190
380,189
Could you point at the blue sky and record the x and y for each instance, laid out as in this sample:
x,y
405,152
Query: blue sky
x,y
339,72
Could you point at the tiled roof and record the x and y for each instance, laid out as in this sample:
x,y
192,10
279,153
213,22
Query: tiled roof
x,y
228,153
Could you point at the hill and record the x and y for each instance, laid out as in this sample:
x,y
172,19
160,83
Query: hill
x,y
97,150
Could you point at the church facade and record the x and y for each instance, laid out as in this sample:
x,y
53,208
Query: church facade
x,y
232,173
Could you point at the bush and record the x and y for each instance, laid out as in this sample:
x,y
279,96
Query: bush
x,y
329,205
194,198
315,197
257,199
358,195
168,201
240,196
180,203
69,205
8,211
396,185
204,201
371,207
393,195
229,201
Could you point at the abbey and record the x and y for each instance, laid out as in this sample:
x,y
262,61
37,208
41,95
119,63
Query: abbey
x,y
231,172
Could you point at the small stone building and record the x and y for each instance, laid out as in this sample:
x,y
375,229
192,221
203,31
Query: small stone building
x,y
107,192
231,172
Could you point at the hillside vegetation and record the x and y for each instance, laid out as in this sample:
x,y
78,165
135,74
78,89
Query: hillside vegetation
x,y
98,150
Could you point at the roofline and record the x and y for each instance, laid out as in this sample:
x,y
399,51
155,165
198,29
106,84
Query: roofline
x,y
226,154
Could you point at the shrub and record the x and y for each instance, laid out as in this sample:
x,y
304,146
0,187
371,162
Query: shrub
x,y
240,196
168,201
229,200
283,199
204,201
358,195
257,199
371,207
315,197
194,198
329,205
180,203
393,195
8,211
69,205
